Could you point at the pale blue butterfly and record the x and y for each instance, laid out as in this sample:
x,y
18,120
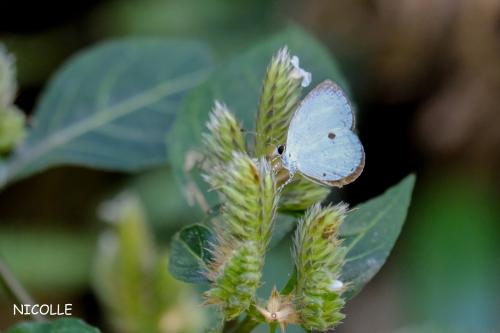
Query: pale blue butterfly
x,y
321,144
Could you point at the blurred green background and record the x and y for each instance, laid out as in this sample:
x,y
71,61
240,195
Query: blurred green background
x,y
425,76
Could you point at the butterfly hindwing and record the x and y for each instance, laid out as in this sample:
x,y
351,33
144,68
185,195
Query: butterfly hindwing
x,y
333,158
321,144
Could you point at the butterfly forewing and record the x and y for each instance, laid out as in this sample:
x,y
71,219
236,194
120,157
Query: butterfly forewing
x,y
320,142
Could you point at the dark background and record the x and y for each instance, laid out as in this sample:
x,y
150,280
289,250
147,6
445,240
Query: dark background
x,y
425,75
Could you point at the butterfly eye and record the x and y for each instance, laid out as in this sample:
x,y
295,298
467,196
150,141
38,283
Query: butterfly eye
x,y
280,149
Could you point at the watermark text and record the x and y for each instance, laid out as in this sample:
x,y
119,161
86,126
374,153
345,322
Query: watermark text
x,y
42,309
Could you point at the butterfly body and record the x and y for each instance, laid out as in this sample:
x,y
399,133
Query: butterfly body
x,y
321,144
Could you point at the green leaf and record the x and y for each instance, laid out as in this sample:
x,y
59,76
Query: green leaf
x,y
190,254
63,258
448,255
165,216
370,232
238,84
66,325
110,107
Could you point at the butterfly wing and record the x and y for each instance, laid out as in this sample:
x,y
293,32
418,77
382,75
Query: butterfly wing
x,y
320,139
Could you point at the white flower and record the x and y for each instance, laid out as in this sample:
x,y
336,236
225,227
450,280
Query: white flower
x,y
299,73
279,309
336,285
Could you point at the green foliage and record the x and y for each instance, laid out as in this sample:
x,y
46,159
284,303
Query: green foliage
x,y
370,232
11,127
226,24
11,118
66,325
94,113
318,259
238,83
125,264
130,278
314,296
190,254
449,275
166,216
97,108
55,250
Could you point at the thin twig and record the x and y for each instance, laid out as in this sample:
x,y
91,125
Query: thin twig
x,y
15,290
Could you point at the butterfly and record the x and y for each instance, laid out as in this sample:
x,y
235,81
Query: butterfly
x,y
321,144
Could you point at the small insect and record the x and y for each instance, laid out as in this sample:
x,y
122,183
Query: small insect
x,y
321,144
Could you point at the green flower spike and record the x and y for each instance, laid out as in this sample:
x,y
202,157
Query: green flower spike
x,y
319,257
225,136
280,96
250,194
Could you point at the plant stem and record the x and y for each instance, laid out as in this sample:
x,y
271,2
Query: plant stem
x,y
15,289
245,326
229,326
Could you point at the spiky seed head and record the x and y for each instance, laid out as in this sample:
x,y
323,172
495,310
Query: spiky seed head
x,y
319,257
223,138
249,191
236,279
250,199
280,96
